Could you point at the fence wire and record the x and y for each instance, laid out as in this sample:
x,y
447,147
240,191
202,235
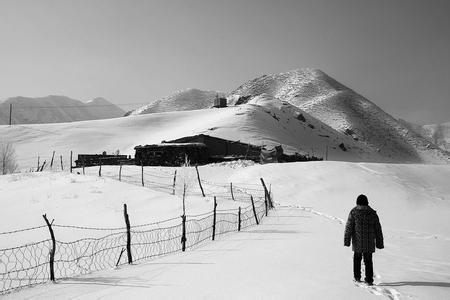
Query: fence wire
x,y
28,265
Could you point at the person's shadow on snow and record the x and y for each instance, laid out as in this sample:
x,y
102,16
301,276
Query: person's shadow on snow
x,y
416,283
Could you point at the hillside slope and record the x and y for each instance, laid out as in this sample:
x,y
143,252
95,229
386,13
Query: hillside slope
x,y
344,110
189,99
56,109
262,121
439,134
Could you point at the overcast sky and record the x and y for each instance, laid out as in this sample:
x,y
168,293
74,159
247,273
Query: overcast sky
x,y
395,53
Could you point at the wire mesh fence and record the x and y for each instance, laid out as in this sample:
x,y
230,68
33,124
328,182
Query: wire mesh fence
x,y
29,264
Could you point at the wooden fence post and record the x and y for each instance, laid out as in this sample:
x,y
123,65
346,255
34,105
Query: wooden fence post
x,y
43,166
214,219
231,189
70,161
100,168
120,172
266,193
265,203
183,219
127,223
53,249
199,181
174,182
142,173
254,210
183,233
38,166
51,163
62,167
239,219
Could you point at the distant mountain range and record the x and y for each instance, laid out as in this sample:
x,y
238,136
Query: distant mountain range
x,y
56,109
336,106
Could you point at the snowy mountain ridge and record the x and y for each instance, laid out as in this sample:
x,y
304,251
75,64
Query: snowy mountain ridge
x,y
188,99
56,109
343,110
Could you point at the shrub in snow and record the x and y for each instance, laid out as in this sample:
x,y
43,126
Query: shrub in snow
x,y
8,162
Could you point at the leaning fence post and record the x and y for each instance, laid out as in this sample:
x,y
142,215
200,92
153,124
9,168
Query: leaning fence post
x,y
214,219
51,163
199,181
38,166
265,203
266,192
53,249
142,173
231,189
62,167
43,166
127,223
120,172
239,219
71,162
183,233
174,182
254,210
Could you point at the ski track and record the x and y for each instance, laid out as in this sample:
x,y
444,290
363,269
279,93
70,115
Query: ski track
x,y
390,293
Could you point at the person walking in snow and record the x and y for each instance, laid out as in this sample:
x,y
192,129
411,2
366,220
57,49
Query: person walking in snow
x,y
363,229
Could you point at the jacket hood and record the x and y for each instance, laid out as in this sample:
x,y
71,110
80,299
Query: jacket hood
x,y
365,208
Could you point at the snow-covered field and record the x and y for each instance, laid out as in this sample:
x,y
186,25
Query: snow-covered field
x,y
297,252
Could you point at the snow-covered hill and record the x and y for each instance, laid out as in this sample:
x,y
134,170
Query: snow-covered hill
x,y
344,110
189,99
264,120
56,109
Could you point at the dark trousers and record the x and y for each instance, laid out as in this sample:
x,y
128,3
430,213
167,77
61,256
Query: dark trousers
x,y
367,263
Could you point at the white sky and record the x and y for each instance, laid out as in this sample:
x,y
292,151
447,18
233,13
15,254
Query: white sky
x,y
395,53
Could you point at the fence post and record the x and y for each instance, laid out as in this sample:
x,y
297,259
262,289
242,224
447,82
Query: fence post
x,y
265,202
183,218
127,223
266,192
84,164
199,181
51,163
43,165
174,182
38,166
254,210
100,169
183,233
70,161
53,250
120,172
239,219
62,167
231,189
214,219
142,173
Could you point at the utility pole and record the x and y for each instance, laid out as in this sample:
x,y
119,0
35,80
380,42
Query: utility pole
x,y
10,113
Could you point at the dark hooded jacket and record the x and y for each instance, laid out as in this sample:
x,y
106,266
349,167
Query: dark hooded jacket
x,y
363,229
